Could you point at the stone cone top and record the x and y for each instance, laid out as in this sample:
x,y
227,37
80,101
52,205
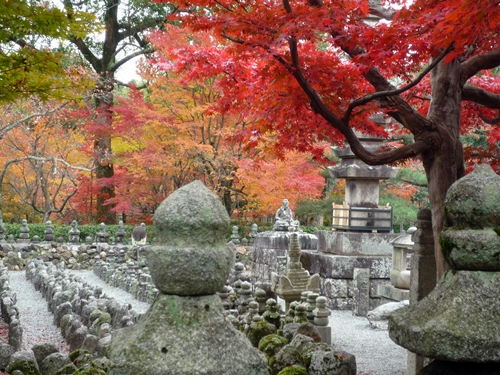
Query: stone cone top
x,y
474,200
191,215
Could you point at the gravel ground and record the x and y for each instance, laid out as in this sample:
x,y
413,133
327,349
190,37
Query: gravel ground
x,y
375,352
36,320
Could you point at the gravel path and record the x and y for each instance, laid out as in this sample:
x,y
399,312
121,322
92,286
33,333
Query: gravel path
x,y
375,352
36,320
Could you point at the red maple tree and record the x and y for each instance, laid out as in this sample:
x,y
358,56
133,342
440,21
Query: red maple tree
x,y
318,69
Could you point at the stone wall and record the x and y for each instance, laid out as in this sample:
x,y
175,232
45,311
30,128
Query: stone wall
x,y
332,255
337,272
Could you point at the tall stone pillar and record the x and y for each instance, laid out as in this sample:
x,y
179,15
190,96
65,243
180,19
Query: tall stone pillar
x,y
185,331
423,273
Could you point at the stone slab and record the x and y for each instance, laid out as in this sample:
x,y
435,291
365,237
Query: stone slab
x,y
361,288
355,243
392,293
281,240
326,334
342,266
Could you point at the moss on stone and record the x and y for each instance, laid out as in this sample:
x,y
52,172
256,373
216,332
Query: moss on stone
x,y
271,344
91,371
77,353
68,369
26,367
293,370
258,330
446,247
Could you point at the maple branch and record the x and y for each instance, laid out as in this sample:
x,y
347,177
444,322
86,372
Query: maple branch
x,y
379,94
11,126
286,5
276,56
481,96
319,107
490,121
488,60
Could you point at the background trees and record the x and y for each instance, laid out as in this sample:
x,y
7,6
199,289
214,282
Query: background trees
x,y
125,25
42,160
319,69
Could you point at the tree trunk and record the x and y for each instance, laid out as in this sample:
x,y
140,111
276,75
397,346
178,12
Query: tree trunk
x,y
444,163
103,152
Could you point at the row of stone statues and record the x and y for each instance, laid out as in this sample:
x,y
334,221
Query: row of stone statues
x,y
139,234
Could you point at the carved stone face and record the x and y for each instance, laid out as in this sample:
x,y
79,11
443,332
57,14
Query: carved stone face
x,y
285,203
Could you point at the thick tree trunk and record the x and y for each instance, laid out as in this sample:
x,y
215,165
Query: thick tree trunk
x,y
444,162
103,153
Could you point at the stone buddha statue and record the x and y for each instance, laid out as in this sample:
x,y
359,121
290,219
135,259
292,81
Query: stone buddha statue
x,y
284,218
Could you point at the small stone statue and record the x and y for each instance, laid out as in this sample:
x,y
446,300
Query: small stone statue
x,y
139,235
24,232
235,237
102,235
74,233
321,312
120,233
300,313
49,232
2,231
284,218
271,315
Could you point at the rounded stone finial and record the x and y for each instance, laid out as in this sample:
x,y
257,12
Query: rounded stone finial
x,y
474,200
472,241
190,255
191,215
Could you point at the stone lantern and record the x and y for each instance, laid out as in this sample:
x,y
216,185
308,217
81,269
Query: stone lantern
x,y
362,180
401,247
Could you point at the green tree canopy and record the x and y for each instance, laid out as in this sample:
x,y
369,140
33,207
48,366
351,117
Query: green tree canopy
x,y
30,59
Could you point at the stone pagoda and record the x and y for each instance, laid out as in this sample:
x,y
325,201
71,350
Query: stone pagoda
x,y
296,280
457,323
185,331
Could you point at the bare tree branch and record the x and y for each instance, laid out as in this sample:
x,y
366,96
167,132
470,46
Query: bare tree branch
x,y
5,129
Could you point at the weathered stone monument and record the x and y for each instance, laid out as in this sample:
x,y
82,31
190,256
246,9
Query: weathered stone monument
x,y
270,248
399,288
296,279
284,220
457,323
185,331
